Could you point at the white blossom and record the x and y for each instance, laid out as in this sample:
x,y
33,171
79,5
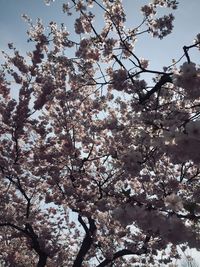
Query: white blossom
x,y
173,202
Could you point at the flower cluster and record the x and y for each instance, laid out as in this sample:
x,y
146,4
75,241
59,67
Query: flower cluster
x,y
197,40
131,160
173,202
119,79
99,151
188,77
161,27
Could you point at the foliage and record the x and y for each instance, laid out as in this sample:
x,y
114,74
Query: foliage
x,y
98,165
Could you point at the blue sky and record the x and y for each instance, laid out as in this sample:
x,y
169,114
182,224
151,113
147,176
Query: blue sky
x,y
160,53
187,25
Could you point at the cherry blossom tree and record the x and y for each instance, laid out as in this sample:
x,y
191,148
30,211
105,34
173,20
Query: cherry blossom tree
x,y
99,165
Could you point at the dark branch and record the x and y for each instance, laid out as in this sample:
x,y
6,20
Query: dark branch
x,y
87,241
185,49
29,232
14,227
163,80
120,254
36,246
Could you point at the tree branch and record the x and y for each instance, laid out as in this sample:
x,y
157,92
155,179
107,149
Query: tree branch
x,y
36,246
163,80
87,241
186,49
29,232
120,254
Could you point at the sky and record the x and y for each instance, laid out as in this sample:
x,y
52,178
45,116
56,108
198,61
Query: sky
x,y
160,53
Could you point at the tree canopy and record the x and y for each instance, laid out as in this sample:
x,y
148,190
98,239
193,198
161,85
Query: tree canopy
x,y
99,164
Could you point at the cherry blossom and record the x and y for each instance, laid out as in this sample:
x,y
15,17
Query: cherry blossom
x,y
173,202
99,166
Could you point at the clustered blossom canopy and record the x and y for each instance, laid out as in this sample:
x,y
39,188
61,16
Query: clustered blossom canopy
x,y
98,167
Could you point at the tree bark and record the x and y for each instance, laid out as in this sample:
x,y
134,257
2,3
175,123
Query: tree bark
x,y
87,241
42,260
